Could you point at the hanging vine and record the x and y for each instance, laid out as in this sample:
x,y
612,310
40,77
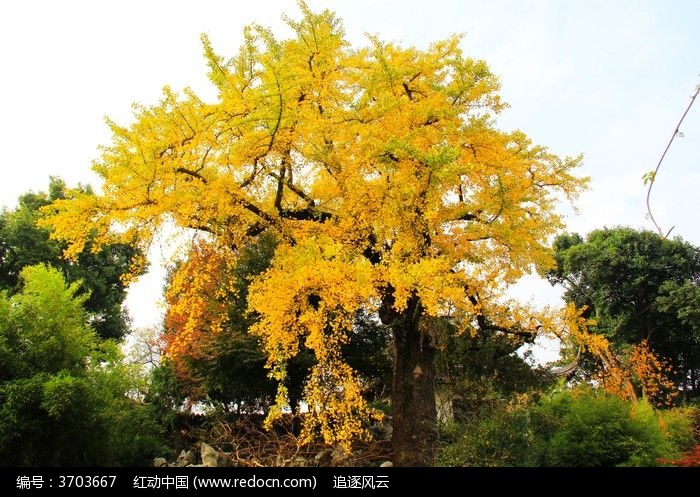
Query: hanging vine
x,y
650,177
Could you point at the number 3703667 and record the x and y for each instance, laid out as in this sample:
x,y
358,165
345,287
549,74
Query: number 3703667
x,y
79,481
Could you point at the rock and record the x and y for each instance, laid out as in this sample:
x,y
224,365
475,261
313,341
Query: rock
x,y
324,457
382,431
389,431
226,461
386,464
185,458
210,457
300,462
160,462
339,457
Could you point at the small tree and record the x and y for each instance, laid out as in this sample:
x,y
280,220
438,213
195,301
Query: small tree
x,y
23,243
62,392
639,288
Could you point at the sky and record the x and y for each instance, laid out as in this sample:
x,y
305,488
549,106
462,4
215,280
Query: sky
x,y
607,79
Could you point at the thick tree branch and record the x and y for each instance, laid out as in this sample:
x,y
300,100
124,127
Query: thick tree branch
x,y
280,187
200,227
246,204
253,173
510,331
285,180
408,91
191,173
308,214
468,216
298,191
485,325
255,229
371,253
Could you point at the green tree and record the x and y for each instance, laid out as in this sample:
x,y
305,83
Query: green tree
x,y
681,303
23,243
479,374
637,286
63,392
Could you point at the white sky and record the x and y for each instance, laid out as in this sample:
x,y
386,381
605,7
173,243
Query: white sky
x,y
607,78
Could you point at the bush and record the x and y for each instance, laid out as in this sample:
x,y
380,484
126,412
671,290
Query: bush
x,y
587,428
503,438
135,436
578,427
63,392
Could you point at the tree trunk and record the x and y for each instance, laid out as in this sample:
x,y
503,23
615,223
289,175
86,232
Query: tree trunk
x,y
414,412
693,385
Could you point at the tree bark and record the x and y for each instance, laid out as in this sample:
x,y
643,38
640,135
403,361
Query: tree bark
x,y
414,412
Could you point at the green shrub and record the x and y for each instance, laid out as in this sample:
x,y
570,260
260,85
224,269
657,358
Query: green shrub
x,y
678,424
502,438
579,427
63,392
587,428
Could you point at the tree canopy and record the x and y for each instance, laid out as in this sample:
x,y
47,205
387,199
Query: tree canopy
x,y
218,360
381,172
638,287
101,271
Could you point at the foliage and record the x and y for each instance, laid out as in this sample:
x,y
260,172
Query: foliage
x,y
690,459
501,437
218,360
206,328
683,301
637,287
23,243
682,426
165,394
579,427
368,351
652,373
636,369
379,169
43,327
481,373
62,392
585,428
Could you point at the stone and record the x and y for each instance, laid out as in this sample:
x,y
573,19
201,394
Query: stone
x,y
185,458
382,431
339,457
324,457
386,464
210,457
226,460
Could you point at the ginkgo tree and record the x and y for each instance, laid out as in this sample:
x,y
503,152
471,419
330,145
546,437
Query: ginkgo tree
x,y
381,172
